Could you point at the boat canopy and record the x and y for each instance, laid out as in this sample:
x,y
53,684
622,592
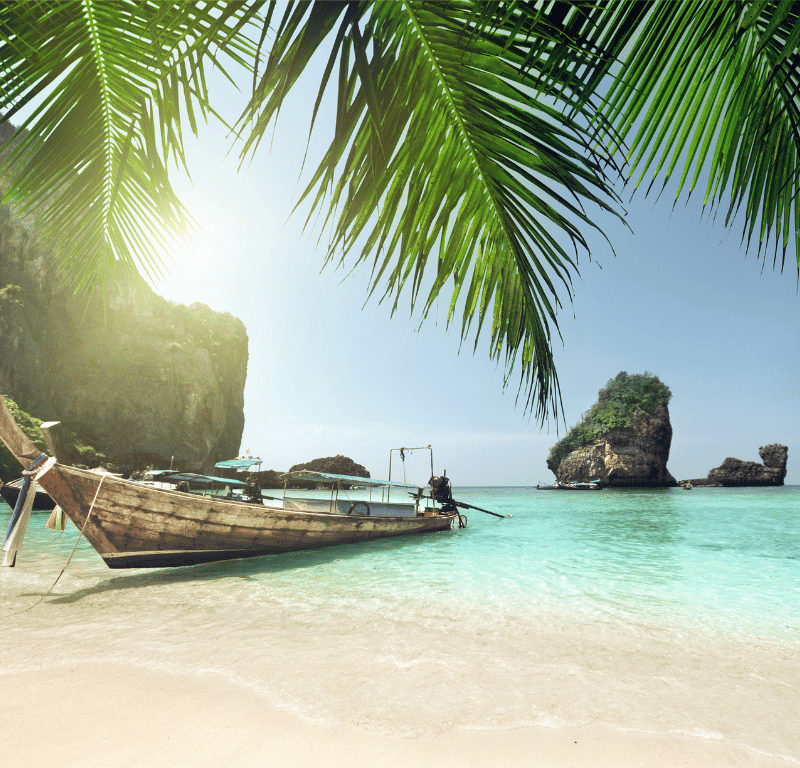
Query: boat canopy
x,y
329,477
170,476
243,465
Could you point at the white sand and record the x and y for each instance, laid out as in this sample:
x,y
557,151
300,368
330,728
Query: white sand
x,y
87,715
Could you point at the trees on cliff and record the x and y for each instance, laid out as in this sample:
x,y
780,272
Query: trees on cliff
x,y
474,142
618,402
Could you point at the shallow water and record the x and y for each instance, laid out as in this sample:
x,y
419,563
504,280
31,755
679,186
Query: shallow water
x,y
657,611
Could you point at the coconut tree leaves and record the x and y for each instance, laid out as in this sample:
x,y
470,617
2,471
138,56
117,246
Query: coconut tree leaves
x,y
714,88
113,83
453,162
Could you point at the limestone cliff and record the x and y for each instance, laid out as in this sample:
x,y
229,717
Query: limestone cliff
x,y
733,473
623,440
138,377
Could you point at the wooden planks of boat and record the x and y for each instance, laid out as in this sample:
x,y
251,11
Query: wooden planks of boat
x,y
132,525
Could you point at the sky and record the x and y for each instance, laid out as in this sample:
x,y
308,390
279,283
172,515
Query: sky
x,y
329,374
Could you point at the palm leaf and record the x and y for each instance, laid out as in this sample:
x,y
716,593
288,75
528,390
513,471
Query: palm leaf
x,y
714,88
472,140
453,158
111,80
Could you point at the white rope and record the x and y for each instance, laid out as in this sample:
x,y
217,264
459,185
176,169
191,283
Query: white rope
x,y
69,559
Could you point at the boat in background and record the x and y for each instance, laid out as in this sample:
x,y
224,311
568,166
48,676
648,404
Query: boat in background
x,y
10,493
340,502
135,525
438,490
593,485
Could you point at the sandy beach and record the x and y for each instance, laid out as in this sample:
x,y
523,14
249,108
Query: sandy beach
x,y
580,641
86,715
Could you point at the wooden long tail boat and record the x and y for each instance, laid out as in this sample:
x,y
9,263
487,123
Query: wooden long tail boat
x,y
132,525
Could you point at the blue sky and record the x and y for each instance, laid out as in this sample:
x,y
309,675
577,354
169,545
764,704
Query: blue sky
x,y
328,374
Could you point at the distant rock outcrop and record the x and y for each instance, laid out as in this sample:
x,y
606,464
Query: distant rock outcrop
x,y
139,378
623,441
337,465
734,473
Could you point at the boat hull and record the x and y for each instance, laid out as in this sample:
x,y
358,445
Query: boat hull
x,y
10,493
132,525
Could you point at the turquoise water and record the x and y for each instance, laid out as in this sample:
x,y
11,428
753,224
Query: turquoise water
x,y
662,611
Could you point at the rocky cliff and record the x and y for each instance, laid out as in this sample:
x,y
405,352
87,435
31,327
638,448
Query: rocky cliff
x,y
624,439
139,378
733,473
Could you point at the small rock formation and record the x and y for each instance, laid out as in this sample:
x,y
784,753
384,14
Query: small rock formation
x,y
623,441
138,378
734,473
337,465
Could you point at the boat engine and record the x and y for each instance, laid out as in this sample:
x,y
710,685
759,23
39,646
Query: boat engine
x,y
442,491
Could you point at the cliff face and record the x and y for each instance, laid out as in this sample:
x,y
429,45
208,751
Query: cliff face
x,y
623,440
631,457
734,473
138,377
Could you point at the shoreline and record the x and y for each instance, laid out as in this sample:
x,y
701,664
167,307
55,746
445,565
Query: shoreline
x,y
82,715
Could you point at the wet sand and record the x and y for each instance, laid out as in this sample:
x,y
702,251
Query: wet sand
x,y
104,715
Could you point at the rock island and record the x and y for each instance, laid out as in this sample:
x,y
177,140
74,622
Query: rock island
x,y
623,440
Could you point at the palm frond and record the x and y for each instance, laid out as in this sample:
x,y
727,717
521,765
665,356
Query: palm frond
x,y
715,88
453,158
112,81
472,140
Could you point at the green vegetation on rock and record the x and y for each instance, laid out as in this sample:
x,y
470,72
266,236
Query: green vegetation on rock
x,y
617,403
76,451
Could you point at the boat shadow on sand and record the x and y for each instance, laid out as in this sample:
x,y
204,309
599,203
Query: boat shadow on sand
x,y
246,568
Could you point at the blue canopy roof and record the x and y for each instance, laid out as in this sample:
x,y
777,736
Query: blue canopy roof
x,y
330,477
170,476
240,464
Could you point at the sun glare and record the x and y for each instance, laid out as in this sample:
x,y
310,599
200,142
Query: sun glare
x,y
193,265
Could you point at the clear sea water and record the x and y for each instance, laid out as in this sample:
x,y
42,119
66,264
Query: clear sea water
x,y
661,611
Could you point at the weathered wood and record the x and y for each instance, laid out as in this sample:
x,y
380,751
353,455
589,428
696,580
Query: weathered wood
x,y
54,437
23,450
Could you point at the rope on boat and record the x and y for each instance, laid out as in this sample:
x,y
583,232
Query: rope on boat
x,y
69,559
